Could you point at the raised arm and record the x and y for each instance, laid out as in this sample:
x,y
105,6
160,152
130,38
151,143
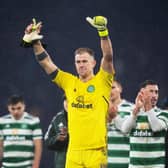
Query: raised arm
x,y
107,60
43,58
32,38
100,23
130,122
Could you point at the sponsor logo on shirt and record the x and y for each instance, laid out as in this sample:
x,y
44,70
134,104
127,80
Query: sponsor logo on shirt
x,y
80,103
142,133
142,130
15,138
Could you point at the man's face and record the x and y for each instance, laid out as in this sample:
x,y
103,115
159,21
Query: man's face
x,y
16,110
84,64
115,91
151,93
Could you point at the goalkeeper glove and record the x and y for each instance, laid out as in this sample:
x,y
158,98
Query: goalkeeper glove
x,y
31,34
100,23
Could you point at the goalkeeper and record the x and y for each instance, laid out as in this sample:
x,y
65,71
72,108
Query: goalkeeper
x,y
87,94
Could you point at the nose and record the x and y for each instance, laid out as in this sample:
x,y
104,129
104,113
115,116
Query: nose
x,y
81,63
15,111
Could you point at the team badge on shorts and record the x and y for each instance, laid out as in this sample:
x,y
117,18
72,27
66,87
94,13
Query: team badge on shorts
x,y
91,88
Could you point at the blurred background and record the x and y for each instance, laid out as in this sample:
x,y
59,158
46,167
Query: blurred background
x,y
138,29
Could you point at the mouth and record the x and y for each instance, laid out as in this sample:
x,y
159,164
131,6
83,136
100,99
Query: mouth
x,y
153,101
81,70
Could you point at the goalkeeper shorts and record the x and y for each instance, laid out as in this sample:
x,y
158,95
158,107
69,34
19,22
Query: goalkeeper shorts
x,y
92,158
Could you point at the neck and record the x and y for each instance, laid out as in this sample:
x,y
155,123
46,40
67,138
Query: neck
x,y
86,78
116,101
148,107
18,117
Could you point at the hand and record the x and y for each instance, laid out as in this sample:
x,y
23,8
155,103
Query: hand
x,y
32,32
112,112
139,103
63,130
149,101
34,166
100,23
61,137
63,134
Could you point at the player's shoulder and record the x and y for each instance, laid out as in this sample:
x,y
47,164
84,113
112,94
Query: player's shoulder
x,y
160,110
126,103
58,115
102,72
5,117
62,74
31,118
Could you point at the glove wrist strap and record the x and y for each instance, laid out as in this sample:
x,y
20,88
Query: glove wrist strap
x,y
103,33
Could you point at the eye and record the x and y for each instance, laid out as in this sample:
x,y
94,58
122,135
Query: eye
x,y
77,62
17,108
84,61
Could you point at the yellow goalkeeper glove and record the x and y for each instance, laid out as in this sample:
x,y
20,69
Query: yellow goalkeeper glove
x,y
100,23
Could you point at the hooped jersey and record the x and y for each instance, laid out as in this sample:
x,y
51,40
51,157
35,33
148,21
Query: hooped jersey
x,y
147,148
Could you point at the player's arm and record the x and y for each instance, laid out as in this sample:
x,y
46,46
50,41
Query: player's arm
x,y
1,151
113,116
37,153
112,112
44,58
53,139
130,121
100,23
32,38
107,60
157,123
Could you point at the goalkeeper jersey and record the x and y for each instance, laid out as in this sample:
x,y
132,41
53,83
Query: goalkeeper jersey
x,y
17,137
87,108
147,148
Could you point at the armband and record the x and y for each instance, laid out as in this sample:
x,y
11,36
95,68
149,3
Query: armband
x,y
42,56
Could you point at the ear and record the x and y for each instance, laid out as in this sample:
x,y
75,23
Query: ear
x,y
94,63
142,90
121,89
24,106
8,107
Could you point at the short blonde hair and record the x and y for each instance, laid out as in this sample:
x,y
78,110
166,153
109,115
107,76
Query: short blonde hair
x,y
85,50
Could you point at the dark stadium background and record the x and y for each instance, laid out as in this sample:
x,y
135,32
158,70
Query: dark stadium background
x,y
138,29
